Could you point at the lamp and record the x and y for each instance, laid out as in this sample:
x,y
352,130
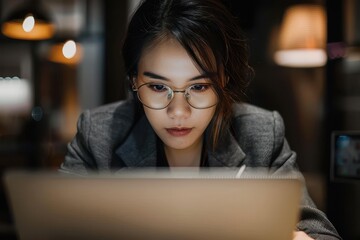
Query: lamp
x,y
68,52
302,37
28,22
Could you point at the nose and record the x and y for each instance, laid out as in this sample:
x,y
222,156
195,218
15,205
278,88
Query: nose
x,y
179,107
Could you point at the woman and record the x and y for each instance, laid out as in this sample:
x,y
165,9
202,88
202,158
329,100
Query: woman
x,y
188,69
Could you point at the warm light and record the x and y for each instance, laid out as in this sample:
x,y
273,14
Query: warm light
x,y
302,37
69,49
301,58
69,52
17,30
29,23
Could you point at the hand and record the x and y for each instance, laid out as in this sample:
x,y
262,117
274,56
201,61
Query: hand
x,y
300,235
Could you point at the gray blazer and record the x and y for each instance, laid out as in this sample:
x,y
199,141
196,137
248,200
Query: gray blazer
x,y
109,139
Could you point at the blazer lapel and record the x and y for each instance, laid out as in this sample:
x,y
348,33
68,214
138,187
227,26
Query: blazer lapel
x,y
227,154
139,148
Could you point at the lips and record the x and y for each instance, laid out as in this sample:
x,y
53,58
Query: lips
x,y
178,132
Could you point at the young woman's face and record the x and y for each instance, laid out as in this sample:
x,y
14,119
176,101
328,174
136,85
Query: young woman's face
x,y
179,125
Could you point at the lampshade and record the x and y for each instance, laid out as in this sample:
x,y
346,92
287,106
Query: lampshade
x,y
28,22
68,52
302,37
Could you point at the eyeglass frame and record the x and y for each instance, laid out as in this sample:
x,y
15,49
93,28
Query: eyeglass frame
x,y
185,91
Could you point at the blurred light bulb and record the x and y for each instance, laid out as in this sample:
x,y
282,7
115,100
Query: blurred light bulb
x,y
69,49
29,23
15,95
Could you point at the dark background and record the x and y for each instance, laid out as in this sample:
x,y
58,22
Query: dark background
x,y
314,102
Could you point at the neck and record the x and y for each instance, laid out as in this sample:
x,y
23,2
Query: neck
x,y
189,157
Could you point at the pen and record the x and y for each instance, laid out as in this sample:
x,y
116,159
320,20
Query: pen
x,y
241,170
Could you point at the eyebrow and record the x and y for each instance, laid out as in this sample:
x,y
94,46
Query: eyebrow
x,y
159,77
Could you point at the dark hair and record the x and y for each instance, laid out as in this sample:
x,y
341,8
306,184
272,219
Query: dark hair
x,y
210,35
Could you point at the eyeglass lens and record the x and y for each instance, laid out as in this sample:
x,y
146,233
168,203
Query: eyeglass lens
x,y
158,96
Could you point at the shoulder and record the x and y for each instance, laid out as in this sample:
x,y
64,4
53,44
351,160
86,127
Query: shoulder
x,y
117,110
99,131
256,119
107,124
114,115
258,131
249,110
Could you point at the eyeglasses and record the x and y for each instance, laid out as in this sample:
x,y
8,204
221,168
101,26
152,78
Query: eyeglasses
x,y
159,96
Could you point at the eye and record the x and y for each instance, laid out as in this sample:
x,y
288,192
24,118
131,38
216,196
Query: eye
x,y
199,87
158,87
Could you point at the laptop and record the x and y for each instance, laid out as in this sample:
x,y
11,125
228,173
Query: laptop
x,y
156,205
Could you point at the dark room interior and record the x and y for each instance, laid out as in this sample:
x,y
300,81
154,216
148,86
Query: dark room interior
x,y
317,102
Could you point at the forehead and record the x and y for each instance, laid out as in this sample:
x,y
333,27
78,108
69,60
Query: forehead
x,y
169,58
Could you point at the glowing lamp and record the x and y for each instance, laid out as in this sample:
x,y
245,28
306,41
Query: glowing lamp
x,y
302,37
28,22
68,52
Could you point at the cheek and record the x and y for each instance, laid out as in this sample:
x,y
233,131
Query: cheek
x,y
203,117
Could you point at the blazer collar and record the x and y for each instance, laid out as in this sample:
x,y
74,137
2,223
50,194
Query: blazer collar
x,y
139,149
228,153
